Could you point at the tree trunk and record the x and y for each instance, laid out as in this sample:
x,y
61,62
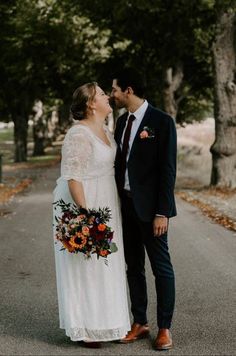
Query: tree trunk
x,y
39,129
52,127
39,137
20,136
224,148
45,128
172,81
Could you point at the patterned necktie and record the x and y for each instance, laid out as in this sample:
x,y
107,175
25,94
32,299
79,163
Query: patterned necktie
x,y
124,151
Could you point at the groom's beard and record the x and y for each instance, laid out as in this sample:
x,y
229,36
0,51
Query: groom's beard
x,y
116,104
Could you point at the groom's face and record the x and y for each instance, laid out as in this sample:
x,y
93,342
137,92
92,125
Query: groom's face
x,y
119,97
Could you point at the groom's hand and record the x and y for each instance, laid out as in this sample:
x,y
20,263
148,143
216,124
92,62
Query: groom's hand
x,y
160,225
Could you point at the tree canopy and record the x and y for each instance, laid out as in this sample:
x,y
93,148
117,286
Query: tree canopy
x,y
159,35
49,47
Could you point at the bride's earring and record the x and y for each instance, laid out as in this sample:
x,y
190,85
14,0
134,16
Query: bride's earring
x,y
94,111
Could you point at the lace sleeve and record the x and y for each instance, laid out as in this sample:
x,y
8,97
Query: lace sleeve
x,y
76,154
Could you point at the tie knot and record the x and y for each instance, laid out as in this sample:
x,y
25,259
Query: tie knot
x,y
132,118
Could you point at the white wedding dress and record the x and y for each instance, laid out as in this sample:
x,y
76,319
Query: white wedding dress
x,y
92,296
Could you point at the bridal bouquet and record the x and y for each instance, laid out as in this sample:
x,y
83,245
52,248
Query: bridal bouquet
x,y
84,230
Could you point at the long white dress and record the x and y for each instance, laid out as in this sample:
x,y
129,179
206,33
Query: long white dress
x,y
92,296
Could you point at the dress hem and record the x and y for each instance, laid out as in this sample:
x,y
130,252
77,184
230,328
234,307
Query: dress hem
x,y
82,334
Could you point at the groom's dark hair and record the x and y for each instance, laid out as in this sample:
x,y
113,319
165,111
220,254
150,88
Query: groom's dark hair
x,y
128,77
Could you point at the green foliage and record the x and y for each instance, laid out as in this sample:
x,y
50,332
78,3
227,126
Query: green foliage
x,y
47,50
50,47
158,35
194,109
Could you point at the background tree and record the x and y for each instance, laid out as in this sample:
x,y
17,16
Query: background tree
x,y
172,41
47,51
18,70
224,53
167,40
49,48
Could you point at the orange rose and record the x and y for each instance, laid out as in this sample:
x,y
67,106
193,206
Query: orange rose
x,y
101,227
103,253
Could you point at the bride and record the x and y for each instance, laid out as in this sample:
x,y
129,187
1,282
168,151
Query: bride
x,y
92,296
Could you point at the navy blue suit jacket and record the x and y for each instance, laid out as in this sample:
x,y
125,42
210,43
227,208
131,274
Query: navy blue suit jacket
x,y
151,165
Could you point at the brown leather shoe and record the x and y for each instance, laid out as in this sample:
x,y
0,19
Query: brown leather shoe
x,y
137,332
163,340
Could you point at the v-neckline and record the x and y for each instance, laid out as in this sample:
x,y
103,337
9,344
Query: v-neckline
x,y
90,130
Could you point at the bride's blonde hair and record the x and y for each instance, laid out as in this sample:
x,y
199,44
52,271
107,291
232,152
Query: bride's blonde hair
x,y
82,96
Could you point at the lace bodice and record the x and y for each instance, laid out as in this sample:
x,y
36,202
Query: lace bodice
x,y
85,155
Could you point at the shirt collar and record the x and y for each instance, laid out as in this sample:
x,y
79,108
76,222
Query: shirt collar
x,y
139,113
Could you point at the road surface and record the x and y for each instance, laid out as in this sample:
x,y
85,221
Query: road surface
x,y
203,254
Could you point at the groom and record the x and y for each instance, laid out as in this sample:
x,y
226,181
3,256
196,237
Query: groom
x,y
145,169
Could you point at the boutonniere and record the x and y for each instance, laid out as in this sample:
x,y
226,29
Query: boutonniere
x,y
147,132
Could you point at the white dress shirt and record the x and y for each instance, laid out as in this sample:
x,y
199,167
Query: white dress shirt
x,y
139,114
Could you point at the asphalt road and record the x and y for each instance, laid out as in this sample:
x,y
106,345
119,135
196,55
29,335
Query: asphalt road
x,y
203,253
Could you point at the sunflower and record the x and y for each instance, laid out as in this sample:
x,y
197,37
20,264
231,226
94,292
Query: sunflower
x,y
78,241
68,246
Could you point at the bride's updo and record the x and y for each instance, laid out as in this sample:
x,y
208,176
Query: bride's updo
x,y
81,98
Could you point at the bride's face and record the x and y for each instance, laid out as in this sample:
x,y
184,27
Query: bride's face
x,y
101,102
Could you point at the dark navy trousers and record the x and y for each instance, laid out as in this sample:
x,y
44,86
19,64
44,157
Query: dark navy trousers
x,y
138,236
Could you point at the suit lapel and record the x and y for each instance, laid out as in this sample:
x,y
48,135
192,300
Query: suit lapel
x,y
142,124
120,129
